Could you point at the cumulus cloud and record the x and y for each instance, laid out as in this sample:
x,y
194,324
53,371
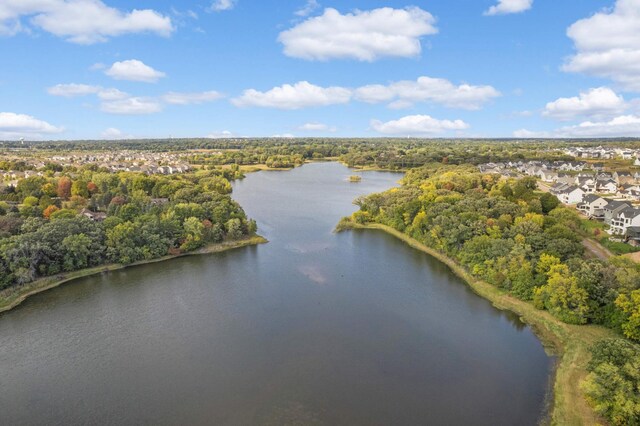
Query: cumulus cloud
x,y
131,106
300,95
403,94
80,21
308,8
222,5
622,126
505,7
114,134
608,45
417,125
598,102
225,134
316,127
176,98
361,35
115,101
14,126
112,94
134,70
72,90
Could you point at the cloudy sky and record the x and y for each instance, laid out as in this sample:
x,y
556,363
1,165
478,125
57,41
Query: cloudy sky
x,y
76,69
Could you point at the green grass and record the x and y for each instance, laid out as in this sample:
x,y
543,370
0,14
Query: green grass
x,y
591,225
616,247
570,343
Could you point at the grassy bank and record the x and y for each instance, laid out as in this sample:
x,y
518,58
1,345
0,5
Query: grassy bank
x,y
570,343
12,297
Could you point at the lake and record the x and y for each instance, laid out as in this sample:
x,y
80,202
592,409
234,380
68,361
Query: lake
x,y
314,327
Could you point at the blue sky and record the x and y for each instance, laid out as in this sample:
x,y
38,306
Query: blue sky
x,y
95,69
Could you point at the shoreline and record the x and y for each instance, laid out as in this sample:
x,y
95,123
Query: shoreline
x,y
15,297
569,343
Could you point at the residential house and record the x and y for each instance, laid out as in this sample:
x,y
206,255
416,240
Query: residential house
x,y
612,208
571,195
627,217
94,216
623,177
632,235
606,186
592,206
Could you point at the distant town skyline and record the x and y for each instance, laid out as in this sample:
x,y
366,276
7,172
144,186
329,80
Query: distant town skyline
x,y
115,69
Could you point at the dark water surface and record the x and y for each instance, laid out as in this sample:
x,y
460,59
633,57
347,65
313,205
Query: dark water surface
x,y
313,328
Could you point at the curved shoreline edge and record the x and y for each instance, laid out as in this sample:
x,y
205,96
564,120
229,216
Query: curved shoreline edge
x,y
569,343
15,297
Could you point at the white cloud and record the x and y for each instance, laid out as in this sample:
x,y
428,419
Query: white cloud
x,y
417,125
14,126
361,35
176,98
112,94
608,44
403,94
283,136
300,95
115,101
134,70
72,90
113,133
131,106
528,134
222,5
80,21
505,7
221,135
622,126
598,102
310,7
316,127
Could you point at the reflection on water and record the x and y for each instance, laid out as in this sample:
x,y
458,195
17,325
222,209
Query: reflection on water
x,y
313,328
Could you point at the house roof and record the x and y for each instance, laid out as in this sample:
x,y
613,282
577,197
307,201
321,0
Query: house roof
x,y
569,190
633,232
614,204
590,198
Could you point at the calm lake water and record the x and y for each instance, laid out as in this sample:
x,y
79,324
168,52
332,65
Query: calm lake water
x,y
313,328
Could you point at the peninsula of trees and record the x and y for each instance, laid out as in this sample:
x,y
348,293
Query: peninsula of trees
x,y
62,222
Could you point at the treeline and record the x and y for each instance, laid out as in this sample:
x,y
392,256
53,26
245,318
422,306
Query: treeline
x,y
386,153
55,224
242,158
613,383
515,238
524,242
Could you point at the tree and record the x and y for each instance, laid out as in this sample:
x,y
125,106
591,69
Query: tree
x,y
563,297
77,249
48,211
630,305
79,188
613,384
193,234
64,188
234,229
549,202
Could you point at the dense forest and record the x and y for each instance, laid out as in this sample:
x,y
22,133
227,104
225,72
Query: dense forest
x,y
63,222
524,242
283,153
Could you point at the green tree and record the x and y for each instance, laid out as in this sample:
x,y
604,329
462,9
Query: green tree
x,y
630,305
